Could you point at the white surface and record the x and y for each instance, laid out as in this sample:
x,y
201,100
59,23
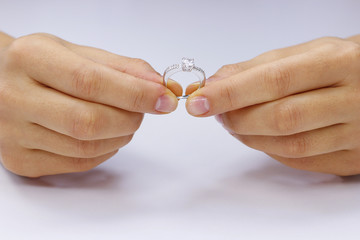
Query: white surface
x,y
182,177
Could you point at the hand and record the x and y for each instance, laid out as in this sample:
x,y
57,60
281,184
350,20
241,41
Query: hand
x,y
67,108
300,105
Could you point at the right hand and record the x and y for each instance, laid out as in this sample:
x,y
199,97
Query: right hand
x,y
67,108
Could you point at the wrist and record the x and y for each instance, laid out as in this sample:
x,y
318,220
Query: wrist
x,y
5,40
355,38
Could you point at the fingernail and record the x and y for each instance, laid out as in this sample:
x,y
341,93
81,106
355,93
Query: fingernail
x,y
219,118
198,106
165,104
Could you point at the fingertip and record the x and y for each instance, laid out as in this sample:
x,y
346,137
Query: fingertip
x,y
175,87
166,103
198,106
192,88
153,76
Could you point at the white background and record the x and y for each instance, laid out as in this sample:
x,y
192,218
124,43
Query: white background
x,y
182,177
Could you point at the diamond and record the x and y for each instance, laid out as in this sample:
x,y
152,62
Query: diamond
x,y
187,64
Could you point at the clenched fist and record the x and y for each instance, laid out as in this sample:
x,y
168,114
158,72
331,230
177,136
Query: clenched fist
x,y
67,108
300,105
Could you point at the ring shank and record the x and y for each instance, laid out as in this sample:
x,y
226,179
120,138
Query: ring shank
x,y
172,70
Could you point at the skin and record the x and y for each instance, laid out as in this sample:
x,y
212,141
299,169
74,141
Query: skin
x,y
67,108
300,104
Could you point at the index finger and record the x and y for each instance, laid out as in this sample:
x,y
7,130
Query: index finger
x,y
57,67
271,81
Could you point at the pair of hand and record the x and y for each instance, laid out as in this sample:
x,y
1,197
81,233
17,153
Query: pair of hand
x,y
67,108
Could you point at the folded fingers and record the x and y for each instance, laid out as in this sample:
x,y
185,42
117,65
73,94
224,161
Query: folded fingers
x,y
52,64
36,163
294,114
321,141
37,137
342,163
76,118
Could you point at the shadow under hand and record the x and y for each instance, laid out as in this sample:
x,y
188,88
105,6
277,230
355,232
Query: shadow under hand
x,y
94,179
113,190
273,186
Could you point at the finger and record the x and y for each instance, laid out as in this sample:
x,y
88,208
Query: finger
x,y
75,117
40,138
36,163
305,144
5,39
355,38
342,163
297,113
132,66
273,55
270,82
88,80
192,88
175,87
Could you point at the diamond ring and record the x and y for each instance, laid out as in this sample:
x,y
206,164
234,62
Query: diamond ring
x,y
187,65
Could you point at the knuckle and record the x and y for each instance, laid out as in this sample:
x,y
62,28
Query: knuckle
x,y
345,172
352,52
344,52
11,163
86,125
138,61
227,93
127,139
296,147
246,139
7,96
340,47
135,122
25,46
88,81
330,40
82,164
230,124
128,67
349,167
17,51
44,35
137,98
16,165
270,55
307,164
287,118
231,68
277,79
88,149
329,43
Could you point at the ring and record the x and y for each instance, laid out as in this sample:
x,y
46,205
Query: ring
x,y
187,65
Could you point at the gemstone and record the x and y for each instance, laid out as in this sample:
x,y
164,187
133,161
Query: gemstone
x,y
187,64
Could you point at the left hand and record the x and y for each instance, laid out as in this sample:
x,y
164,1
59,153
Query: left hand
x,y
300,105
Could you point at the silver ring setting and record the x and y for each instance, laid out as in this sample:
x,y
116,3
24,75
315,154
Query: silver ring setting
x,y
187,65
